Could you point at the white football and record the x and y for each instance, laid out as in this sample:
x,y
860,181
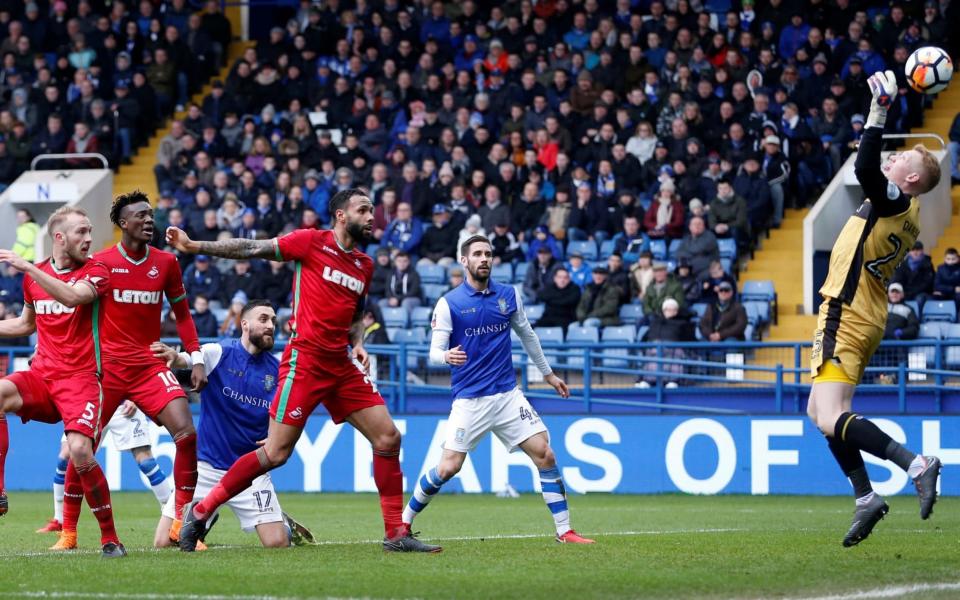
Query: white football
x,y
929,70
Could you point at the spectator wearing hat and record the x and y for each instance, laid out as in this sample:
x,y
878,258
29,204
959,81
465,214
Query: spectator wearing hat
x,y
403,287
776,169
316,193
201,278
699,246
579,270
653,168
405,232
663,286
752,186
915,274
540,273
506,248
667,324
541,238
600,301
691,286
438,245
641,275
560,298
725,319
902,322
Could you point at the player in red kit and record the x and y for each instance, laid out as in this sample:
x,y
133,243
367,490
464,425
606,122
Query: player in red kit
x,y
329,290
62,303
140,277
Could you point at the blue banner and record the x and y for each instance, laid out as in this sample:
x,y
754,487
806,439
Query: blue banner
x,y
620,454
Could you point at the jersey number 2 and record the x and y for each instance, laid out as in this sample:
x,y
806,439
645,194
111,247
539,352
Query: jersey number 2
x,y
873,267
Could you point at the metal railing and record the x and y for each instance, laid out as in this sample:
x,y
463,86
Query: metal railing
x,y
718,378
79,155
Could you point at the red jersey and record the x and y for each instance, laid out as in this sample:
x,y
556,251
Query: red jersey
x,y
328,286
132,311
68,339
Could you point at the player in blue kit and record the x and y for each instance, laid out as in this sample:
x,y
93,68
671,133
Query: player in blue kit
x,y
471,333
234,414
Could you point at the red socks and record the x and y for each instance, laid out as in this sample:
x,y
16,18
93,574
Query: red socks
x,y
238,478
72,498
389,480
98,499
185,471
4,447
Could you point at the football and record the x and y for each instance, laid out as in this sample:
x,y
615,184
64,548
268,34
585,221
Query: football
x,y
929,70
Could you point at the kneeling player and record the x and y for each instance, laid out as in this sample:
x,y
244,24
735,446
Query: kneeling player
x,y
476,318
232,424
854,309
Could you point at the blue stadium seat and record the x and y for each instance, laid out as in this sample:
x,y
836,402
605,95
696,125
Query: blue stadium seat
x,y
914,305
582,335
727,265
939,310
420,317
758,290
631,313
759,310
642,331
549,334
395,316
432,274
433,291
520,272
672,249
371,249
952,355
749,331
502,273
607,248
622,334
699,309
392,332
534,312
586,247
220,314
519,356
928,331
659,249
410,336
728,248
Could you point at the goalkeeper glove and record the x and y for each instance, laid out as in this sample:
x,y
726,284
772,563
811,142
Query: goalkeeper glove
x,y
883,87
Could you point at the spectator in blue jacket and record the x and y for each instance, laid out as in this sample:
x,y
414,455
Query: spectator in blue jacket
x,y
946,284
793,36
203,319
404,232
436,26
202,278
543,237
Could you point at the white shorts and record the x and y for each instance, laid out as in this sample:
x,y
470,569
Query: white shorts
x,y
508,415
127,432
256,505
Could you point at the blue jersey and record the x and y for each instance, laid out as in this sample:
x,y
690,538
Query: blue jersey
x,y
235,404
480,322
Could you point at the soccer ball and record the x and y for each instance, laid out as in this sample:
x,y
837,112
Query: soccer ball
x,y
929,70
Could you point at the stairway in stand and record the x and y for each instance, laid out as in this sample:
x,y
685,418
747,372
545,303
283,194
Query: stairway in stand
x,y
139,175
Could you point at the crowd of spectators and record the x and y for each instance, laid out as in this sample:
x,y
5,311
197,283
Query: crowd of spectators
x,y
90,76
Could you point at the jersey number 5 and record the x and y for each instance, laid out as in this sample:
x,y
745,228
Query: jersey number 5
x,y
873,267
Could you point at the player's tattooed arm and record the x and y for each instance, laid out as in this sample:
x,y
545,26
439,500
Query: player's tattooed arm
x,y
232,248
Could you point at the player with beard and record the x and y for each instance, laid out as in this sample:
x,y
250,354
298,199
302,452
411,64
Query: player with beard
x,y
329,293
61,302
234,415
140,276
471,333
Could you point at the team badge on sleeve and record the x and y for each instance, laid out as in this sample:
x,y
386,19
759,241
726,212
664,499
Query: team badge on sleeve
x,y
269,383
502,303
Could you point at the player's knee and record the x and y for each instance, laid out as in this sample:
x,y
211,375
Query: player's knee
x,y
276,541
81,449
388,441
272,457
545,459
9,397
448,468
183,432
162,540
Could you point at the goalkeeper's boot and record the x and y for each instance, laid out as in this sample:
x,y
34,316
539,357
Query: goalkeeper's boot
x,y
926,484
572,537
4,503
52,526
406,541
113,550
299,534
865,517
192,528
66,541
174,533
206,530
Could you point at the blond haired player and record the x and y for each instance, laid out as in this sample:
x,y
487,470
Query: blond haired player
x,y
854,310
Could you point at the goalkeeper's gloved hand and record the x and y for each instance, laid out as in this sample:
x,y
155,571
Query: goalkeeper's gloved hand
x,y
883,87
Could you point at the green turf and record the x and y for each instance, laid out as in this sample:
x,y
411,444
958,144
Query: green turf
x,y
648,546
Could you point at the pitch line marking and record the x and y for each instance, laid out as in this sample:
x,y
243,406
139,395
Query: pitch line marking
x,y
891,591
149,596
463,538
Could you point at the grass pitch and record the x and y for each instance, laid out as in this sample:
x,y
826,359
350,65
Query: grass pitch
x,y
648,546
